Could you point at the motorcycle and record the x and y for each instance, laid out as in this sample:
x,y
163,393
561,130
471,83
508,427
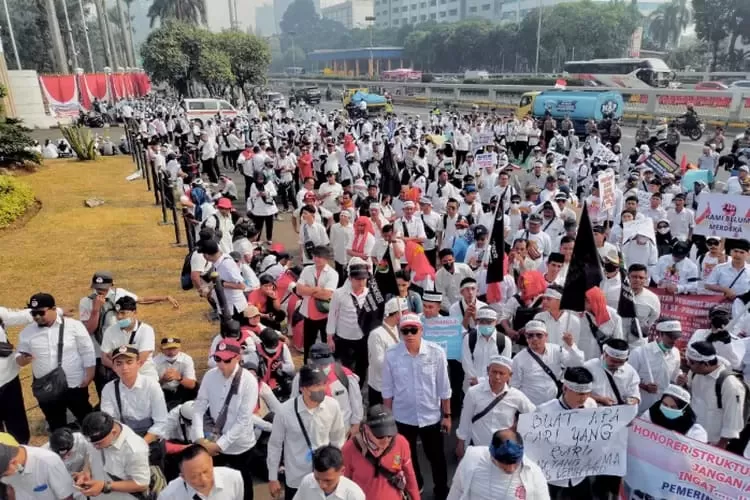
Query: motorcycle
x,y
92,119
694,130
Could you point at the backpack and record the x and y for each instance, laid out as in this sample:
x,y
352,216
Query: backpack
x,y
198,196
720,382
185,279
499,340
525,314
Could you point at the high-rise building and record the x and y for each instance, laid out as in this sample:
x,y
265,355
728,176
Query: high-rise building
x,y
224,13
265,20
350,13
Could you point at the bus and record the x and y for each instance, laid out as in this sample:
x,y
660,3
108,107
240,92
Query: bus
x,y
624,73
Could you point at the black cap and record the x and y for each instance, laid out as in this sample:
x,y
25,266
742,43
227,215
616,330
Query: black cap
x,y
320,355
269,337
230,328
41,300
102,279
311,375
209,247
381,422
126,303
97,425
128,351
681,249
741,245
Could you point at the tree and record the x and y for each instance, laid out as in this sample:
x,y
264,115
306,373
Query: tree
x,y
667,23
249,57
187,11
713,23
164,58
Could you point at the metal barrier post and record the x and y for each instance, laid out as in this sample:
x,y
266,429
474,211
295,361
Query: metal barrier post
x,y
162,199
189,235
155,179
177,238
146,172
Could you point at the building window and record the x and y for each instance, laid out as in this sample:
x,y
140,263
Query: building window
x,y
413,6
422,5
395,10
486,6
473,9
404,8
442,14
433,3
423,17
395,22
433,16
453,12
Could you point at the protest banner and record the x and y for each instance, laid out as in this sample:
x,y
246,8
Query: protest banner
x,y
607,189
603,153
484,160
723,215
690,310
568,444
447,332
485,138
665,464
693,176
644,227
644,200
661,163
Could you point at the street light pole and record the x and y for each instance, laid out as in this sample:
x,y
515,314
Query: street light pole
x,y
294,55
370,20
12,36
538,37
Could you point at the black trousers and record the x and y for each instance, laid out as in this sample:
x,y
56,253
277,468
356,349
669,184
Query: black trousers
x,y
13,412
671,150
432,441
431,256
460,157
341,269
286,193
239,463
76,400
259,220
210,167
374,397
577,492
248,185
456,378
289,492
606,487
311,328
353,355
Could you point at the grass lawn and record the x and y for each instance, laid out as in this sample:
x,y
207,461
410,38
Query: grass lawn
x,y
60,248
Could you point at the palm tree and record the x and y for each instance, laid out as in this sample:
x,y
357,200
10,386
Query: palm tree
x,y
668,22
188,11
58,48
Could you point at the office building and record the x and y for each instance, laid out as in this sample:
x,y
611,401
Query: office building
x,y
265,20
351,13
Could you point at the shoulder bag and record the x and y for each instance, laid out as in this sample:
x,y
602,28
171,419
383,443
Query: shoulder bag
x,y
613,385
547,370
213,428
52,387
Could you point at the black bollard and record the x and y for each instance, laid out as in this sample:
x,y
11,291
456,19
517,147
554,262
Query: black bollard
x,y
162,199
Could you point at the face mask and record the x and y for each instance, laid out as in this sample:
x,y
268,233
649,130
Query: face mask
x,y
269,350
508,453
461,233
663,230
485,330
515,206
317,396
663,347
670,413
448,267
124,323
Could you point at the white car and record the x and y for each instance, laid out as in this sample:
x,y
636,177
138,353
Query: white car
x,y
740,84
205,109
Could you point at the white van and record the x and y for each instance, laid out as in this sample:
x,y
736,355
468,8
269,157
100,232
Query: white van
x,y
204,109
476,75
275,98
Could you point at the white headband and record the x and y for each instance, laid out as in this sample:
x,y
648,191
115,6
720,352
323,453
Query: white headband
x,y
552,293
696,356
615,353
501,360
579,388
669,326
677,392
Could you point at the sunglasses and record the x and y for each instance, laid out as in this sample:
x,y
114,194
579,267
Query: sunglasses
x,y
220,360
409,330
39,312
712,243
534,335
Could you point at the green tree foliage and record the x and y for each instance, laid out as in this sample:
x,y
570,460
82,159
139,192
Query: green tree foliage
x,y
186,11
667,23
179,53
15,141
721,23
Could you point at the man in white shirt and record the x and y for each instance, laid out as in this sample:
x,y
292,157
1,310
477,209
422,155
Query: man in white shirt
x,y
657,363
490,405
732,278
449,277
312,234
480,344
681,219
486,471
63,346
647,307
676,272
327,480
409,227
233,284
13,410
36,473
378,342
227,398
615,381
200,479
176,371
129,330
730,349
316,285
557,321
304,424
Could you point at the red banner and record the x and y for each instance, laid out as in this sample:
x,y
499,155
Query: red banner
x,y
700,101
690,310
61,93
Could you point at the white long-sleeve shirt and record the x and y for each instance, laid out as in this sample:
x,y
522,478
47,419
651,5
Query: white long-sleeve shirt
x,y
343,316
143,401
726,422
654,366
611,329
531,379
378,342
502,416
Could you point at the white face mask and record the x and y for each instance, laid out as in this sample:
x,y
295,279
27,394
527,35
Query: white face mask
x,y
663,230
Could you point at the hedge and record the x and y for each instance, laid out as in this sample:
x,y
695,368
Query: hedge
x,y
15,198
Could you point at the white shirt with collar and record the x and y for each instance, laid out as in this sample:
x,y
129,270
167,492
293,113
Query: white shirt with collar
x,y
531,379
345,490
417,384
478,478
681,222
611,329
8,366
475,363
725,275
567,322
142,401
229,271
414,227
328,279
449,284
86,305
343,316
654,366
341,239
626,380
733,352
126,458
684,273
502,416
183,363
228,485
237,436
324,425
349,400
41,342
44,477
379,341
312,232
726,422
176,427
143,339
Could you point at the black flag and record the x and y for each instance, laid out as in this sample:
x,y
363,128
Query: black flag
x,y
390,183
585,271
495,268
385,276
626,304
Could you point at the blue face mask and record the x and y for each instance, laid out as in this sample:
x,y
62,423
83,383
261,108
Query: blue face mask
x,y
670,413
486,330
124,323
508,452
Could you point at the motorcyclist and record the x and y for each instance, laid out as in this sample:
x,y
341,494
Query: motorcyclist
x,y
642,134
673,140
690,118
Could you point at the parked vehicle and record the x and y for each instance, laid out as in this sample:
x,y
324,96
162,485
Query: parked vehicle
x,y
580,106
310,95
206,108
711,86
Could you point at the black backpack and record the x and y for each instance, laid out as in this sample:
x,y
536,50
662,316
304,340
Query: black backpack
x,y
499,340
185,279
525,314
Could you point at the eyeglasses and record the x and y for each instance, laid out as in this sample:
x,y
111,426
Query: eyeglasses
x,y
220,360
534,335
409,330
39,312
712,243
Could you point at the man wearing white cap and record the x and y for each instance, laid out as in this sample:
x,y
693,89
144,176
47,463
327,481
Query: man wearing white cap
x,y
378,342
557,321
490,405
408,227
577,385
657,363
538,368
615,381
722,417
480,345
417,389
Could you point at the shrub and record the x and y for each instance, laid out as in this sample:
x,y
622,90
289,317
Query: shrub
x,y
81,142
15,198
15,144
